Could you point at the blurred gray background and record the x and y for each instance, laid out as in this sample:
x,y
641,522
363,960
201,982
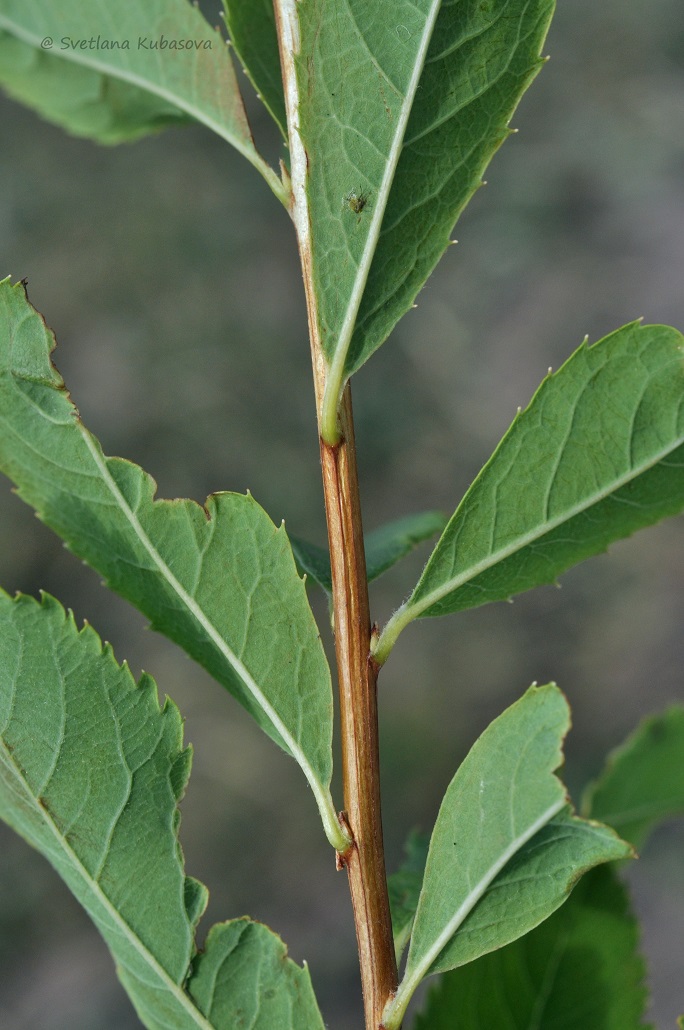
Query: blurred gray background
x,y
170,275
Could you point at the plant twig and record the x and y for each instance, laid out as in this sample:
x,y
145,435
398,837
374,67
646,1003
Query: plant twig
x,y
357,674
357,671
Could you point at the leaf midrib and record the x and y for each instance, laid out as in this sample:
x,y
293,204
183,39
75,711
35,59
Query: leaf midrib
x,y
548,983
149,85
244,147
476,94
322,795
527,538
336,371
74,861
421,969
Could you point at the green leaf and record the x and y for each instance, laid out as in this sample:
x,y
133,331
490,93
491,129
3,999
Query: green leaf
x,y
404,889
220,580
312,561
597,455
505,850
643,781
79,99
390,543
538,879
162,47
578,970
385,546
401,106
244,979
91,772
252,32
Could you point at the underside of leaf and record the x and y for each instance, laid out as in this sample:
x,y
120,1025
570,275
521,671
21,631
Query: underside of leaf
x,y
579,970
253,34
642,784
598,454
83,799
164,48
400,107
80,99
219,580
506,849
243,978
91,773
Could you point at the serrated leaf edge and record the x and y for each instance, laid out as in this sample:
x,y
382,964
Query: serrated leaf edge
x,y
24,791
411,610
227,16
83,58
337,377
287,20
395,1009
331,824
613,760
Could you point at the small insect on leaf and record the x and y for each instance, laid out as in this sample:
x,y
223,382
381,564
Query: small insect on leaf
x,y
356,201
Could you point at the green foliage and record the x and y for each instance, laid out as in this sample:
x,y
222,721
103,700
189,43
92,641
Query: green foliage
x,y
253,34
643,782
201,82
218,580
388,544
91,772
505,849
598,454
81,99
244,978
384,547
312,561
394,109
593,939
404,889
124,41
402,105
580,969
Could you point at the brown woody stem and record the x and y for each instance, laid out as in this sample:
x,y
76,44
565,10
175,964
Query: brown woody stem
x,y
357,674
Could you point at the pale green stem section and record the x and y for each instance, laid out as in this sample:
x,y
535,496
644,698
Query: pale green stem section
x,y
396,1007
93,887
336,378
383,644
82,57
331,824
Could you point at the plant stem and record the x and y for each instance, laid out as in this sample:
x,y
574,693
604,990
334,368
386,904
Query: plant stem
x,y
357,674
357,671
